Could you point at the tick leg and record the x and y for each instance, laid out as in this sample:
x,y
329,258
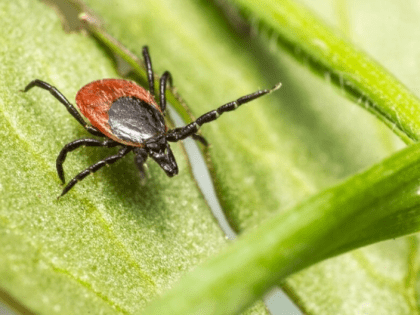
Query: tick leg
x,y
200,138
76,144
63,100
149,69
92,169
140,158
190,129
163,84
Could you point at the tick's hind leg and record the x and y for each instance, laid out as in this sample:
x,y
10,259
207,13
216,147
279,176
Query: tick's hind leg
x,y
92,169
63,100
76,144
202,140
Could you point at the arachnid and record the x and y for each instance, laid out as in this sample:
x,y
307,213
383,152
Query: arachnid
x,y
127,115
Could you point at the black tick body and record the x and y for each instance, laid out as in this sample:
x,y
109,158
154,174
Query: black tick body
x,y
127,115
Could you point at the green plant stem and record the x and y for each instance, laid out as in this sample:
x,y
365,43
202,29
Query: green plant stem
x,y
379,204
328,54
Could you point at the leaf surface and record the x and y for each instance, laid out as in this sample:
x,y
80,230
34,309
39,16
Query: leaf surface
x,y
111,232
110,244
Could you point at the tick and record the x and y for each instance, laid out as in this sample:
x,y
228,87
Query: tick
x,y
127,115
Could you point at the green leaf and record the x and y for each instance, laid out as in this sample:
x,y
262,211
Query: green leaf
x,y
113,245
379,279
110,244
332,56
304,141
291,145
378,204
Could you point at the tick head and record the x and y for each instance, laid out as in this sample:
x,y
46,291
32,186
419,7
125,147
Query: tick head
x,y
161,152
